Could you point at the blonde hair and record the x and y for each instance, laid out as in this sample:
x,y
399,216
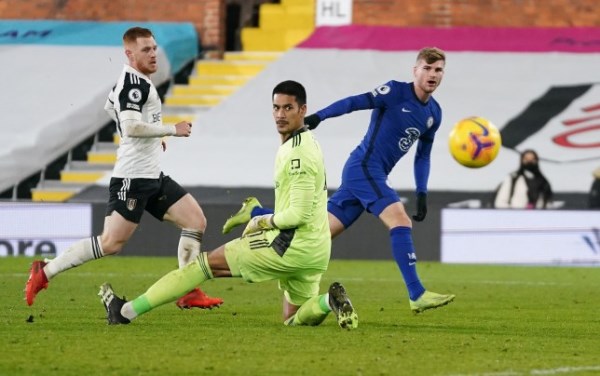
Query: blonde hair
x,y
431,55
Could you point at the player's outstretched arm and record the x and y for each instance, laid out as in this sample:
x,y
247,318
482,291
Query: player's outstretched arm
x,y
140,129
365,101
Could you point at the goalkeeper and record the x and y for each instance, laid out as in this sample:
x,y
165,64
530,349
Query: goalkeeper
x,y
404,113
292,245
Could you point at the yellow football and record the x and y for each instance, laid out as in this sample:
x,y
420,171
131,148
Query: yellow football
x,y
474,142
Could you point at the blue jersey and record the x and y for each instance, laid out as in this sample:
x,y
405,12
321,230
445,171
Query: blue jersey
x,y
398,120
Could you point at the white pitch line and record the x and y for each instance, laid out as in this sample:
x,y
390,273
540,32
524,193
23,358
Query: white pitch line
x,y
535,372
529,283
563,370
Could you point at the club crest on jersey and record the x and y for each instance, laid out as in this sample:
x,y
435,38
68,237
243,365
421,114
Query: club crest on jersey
x,y
430,122
131,203
135,95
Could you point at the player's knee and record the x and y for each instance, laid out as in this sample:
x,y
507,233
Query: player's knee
x,y
196,219
198,222
406,219
202,222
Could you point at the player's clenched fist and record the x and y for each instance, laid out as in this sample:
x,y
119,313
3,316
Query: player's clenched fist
x,y
183,129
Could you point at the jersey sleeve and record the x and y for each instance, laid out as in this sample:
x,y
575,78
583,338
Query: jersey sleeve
x,y
132,97
422,163
381,97
301,173
386,95
346,106
109,106
377,98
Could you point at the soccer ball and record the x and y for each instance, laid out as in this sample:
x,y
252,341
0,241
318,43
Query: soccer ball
x,y
474,142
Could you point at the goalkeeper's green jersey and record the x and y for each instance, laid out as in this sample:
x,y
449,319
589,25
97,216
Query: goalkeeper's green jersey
x,y
301,194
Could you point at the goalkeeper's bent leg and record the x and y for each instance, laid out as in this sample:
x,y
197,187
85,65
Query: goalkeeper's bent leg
x,y
313,312
170,287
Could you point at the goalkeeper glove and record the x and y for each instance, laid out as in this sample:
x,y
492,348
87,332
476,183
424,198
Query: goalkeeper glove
x,y
312,121
259,223
421,207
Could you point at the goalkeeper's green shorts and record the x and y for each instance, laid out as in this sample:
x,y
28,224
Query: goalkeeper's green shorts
x,y
298,271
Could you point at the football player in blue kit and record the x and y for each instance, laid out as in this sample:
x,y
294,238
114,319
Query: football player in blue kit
x,y
403,113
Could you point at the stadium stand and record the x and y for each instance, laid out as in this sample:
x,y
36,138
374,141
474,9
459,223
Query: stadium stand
x,y
281,27
214,80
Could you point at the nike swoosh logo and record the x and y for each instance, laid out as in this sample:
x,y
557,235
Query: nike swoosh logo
x,y
405,110
483,128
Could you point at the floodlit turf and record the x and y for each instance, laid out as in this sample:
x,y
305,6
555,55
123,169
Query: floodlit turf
x,y
504,321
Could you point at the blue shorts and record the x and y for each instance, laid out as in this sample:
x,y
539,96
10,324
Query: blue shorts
x,y
354,197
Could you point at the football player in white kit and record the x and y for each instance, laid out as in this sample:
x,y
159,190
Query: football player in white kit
x,y
137,182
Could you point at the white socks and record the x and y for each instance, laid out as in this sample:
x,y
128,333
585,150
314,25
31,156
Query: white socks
x,y
189,246
80,252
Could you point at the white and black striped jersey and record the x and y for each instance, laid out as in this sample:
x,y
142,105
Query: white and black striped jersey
x,y
134,97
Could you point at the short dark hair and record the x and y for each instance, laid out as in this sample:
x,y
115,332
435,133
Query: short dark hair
x,y
291,88
136,32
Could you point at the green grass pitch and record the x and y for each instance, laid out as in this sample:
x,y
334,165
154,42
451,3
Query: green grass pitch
x,y
506,320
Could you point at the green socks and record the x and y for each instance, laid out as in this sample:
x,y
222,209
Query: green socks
x,y
170,287
312,312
